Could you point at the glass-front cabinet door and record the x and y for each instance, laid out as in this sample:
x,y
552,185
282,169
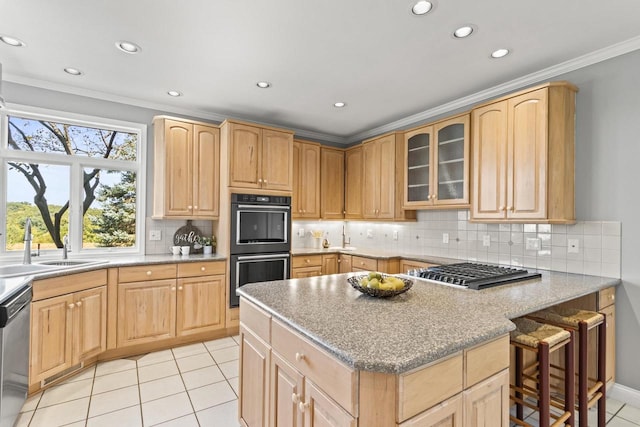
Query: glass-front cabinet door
x,y
452,165
418,160
437,164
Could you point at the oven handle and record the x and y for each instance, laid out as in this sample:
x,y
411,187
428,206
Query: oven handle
x,y
244,258
263,207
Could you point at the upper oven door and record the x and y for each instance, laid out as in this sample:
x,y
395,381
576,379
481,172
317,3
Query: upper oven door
x,y
260,229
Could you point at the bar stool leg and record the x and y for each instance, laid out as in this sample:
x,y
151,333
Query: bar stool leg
x,y
518,380
545,392
602,370
583,367
569,380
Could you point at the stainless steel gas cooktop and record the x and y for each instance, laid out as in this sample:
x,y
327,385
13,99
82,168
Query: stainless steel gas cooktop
x,y
473,275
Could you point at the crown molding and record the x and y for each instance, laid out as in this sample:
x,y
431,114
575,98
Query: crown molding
x,y
501,89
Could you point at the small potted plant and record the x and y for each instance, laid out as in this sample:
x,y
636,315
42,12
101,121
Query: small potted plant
x,y
208,245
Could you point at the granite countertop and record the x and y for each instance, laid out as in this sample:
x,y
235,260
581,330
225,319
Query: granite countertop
x,y
426,323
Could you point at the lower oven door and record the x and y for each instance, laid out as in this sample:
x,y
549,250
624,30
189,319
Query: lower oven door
x,y
256,268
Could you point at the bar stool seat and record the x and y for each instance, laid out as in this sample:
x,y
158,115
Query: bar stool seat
x,y
583,321
541,339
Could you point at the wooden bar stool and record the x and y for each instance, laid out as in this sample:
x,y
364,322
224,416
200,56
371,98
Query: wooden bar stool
x,y
583,321
542,339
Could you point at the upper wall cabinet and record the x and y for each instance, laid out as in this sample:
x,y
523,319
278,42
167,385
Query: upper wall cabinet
x,y
436,165
523,157
186,169
331,183
353,183
305,200
259,157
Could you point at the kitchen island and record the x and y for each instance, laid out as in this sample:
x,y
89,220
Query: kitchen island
x,y
316,348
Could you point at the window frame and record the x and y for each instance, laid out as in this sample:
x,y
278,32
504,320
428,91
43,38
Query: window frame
x,y
76,165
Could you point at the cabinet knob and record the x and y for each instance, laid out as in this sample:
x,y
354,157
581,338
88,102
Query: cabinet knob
x,y
179,288
501,208
189,207
265,181
613,297
339,261
302,406
307,260
259,179
173,288
79,303
71,306
295,398
203,268
299,357
195,207
148,272
361,262
510,208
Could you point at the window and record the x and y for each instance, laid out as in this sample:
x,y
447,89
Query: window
x,y
72,175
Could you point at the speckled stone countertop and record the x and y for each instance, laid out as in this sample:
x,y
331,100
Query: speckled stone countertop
x,y
374,253
422,325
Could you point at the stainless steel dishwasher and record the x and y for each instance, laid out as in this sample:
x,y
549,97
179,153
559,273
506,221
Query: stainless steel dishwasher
x,y
15,310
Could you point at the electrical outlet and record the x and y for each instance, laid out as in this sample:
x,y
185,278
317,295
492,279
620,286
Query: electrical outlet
x,y
155,234
445,237
369,233
300,232
486,240
573,246
532,244
395,234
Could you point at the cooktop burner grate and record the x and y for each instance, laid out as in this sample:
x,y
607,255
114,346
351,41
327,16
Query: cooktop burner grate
x,y
474,276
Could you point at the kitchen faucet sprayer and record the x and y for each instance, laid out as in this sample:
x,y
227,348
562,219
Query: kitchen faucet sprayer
x,y
27,242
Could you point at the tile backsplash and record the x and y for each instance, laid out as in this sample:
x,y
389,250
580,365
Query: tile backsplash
x,y
167,229
596,244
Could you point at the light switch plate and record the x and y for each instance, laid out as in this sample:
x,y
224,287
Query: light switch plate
x,y
445,237
486,240
369,233
300,232
155,234
395,234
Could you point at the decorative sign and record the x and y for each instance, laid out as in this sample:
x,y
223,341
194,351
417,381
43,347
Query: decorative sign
x,y
189,235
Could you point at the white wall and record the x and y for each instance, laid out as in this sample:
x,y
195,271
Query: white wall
x,y
607,170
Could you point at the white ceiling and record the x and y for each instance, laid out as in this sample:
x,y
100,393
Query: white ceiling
x,y
384,62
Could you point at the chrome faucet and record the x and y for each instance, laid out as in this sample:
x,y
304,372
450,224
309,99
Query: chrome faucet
x,y
27,242
345,240
65,246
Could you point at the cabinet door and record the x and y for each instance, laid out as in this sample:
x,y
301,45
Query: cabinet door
x,y
322,411
277,160
370,179
287,391
345,263
451,162
51,337
610,313
206,171
386,176
302,272
179,175
353,179
487,403
307,184
90,323
527,156
200,304
489,161
296,200
331,183
246,146
445,414
255,364
330,264
146,311
418,159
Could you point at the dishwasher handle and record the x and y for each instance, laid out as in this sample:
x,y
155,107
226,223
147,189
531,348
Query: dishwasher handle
x,y
10,309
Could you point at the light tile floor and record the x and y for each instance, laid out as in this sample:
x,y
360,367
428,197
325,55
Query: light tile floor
x,y
192,385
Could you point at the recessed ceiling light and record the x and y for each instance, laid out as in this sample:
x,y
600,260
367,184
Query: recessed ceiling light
x,y
499,53
128,47
174,93
462,32
263,85
340,104
12,41
422,7
72,71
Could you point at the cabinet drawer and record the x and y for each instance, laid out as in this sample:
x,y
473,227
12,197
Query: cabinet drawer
x,y
306,261
337,380
142,273
205,268
256,319
364,263
61,285
606,297
485,360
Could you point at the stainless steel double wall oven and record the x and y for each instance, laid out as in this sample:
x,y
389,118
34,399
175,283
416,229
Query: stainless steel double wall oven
x,y
260,240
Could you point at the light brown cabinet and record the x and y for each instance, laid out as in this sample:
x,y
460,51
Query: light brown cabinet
x,y
378,157
66,330
406,265
255,365
186,169
332,183
436,165
345,262
445,414
313,265
200,304
487,403
523,157
259,157
305,200
389,265
353,183
330,264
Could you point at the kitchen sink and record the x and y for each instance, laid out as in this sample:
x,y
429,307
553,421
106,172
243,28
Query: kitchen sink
x,y
71,262
23,269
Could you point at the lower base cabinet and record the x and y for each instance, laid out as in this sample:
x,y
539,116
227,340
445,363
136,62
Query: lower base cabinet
x,y
255,355
487,403
445,414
